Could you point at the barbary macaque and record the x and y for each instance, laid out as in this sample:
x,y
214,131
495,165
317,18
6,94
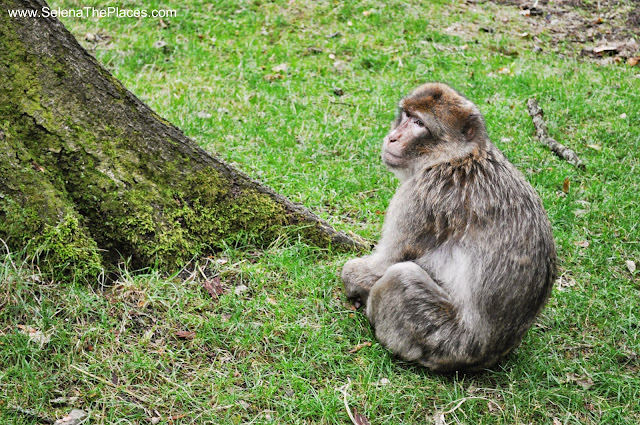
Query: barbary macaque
x,y
467,258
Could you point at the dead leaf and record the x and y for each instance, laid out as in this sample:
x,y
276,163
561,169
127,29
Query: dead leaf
x,y
273,77
359,419
240,289
382,381
74,417
606,48
583,380
633,61
595,147
34,335
582,244
360,346
213,287
159,44
186,334
280,68
631,266
565,282
565,185
438,418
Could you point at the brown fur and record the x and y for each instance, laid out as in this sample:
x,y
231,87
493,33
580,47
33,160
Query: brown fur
x,y
467,258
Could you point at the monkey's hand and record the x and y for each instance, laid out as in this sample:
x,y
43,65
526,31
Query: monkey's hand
x,y
359,275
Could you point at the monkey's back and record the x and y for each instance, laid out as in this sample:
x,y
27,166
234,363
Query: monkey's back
x,y
484,237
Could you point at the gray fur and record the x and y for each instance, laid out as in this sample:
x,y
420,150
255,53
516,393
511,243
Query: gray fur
x,y
466,259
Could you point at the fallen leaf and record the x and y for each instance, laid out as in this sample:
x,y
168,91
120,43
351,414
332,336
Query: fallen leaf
x,y
273,77
383,382
34,335
240,289
633,61
213,287
159,44
583,380
631,266
186,334
565,185
360,346
595,147
280,68
582,244
438,419
359,419
607,48
75,417
564,282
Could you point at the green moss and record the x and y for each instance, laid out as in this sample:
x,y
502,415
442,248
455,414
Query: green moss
x,y
63,249
67,250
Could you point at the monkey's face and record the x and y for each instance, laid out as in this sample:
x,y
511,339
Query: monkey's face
x,y
400,145
436,124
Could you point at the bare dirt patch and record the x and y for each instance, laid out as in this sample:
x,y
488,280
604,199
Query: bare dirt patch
x,y
605,30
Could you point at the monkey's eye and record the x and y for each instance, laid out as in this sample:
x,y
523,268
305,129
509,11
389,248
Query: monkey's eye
x,y
418,122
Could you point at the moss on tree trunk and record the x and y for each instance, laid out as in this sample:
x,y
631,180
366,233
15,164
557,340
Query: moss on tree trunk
x,y
89,174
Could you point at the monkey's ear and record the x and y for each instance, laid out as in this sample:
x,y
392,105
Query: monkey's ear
x,y
472,126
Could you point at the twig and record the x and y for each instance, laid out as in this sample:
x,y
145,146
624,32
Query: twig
x,y
543,137
111,384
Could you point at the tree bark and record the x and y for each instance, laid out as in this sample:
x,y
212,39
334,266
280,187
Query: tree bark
x,y
89,174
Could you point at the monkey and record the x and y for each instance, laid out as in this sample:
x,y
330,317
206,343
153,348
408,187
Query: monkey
x,y
466,259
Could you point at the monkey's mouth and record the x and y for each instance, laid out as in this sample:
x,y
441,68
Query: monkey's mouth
x,y
392,160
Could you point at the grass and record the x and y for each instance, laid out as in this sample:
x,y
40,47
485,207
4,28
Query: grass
x,y
280,351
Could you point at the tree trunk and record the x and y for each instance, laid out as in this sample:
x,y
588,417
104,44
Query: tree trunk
x,y
89,174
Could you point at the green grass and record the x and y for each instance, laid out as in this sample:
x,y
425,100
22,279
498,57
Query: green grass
x,y
280,351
